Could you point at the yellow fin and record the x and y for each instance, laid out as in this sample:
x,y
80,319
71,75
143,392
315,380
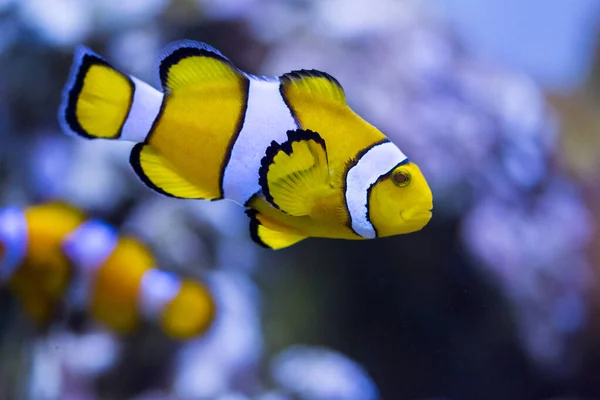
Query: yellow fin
x,y
313,83
96,99
293,172
270,234
190,64
160,175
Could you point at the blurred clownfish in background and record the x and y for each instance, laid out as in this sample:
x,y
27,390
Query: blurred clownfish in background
x,y
288,148
51,254
32,264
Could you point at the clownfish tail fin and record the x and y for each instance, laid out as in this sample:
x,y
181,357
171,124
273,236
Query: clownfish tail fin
x,y
101,102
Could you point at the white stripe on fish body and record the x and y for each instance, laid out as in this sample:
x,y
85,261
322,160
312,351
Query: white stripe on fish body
x,y
377,161
14,236
157,289
267,118
145,107
88,247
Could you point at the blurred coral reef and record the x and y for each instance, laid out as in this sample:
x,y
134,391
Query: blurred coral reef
x,y
496,298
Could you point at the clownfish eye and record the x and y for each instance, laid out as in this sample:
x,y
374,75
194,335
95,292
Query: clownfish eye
x,y
401,178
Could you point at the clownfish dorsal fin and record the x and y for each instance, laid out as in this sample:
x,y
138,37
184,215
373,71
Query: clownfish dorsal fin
x,y
312,83
270,234
159,174
191,64
293,172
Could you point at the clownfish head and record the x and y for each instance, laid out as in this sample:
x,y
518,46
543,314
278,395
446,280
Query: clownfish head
x,y
400,201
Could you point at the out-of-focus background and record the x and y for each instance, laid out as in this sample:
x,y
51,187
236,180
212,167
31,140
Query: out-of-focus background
x,y
497,298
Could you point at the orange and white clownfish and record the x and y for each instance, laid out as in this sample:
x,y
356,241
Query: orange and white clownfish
x,y
288,148
51,254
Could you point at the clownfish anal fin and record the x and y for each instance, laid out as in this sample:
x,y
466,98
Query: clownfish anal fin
x,y
196,65
293,173
160,175
312,83
268,234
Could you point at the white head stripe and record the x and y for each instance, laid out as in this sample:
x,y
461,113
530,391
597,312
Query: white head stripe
x,y
88,247
14,239
144,110
267,118
157,290
377,161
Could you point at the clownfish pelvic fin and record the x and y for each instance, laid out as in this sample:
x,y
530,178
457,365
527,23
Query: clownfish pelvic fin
x,y
270,234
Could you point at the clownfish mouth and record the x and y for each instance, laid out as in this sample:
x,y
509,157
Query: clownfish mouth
x,y
417,212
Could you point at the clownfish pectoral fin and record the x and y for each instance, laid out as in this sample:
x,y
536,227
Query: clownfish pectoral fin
x,y
160,175
312,84
96,99
269,234
190,64
293,173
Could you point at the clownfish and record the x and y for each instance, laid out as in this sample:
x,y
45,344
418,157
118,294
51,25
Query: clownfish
x,y
51,254
288,148
32,264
